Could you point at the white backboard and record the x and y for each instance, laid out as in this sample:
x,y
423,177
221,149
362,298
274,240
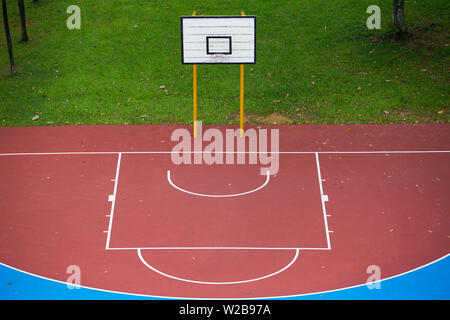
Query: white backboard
x,y
218,39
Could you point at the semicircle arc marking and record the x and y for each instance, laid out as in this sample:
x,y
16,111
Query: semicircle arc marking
x,y
218,282
218,195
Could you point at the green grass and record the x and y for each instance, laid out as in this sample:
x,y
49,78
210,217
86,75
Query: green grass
x,y
316,63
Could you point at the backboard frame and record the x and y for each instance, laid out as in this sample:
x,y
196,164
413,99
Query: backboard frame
x,y
212,35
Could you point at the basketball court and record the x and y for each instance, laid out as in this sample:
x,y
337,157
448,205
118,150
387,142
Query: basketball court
x,y
110,200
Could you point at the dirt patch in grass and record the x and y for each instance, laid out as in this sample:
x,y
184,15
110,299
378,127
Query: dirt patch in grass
x,y
276,118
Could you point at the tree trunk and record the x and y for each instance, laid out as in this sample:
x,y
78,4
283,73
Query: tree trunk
x,y
8,38
398,15
23,20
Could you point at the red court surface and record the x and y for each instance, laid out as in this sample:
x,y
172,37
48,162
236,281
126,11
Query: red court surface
x,y
109,200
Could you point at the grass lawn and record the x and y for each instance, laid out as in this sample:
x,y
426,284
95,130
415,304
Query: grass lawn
x,y
316,63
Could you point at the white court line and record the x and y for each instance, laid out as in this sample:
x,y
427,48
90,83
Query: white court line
x,y
213,282
218,195
111,215
322,199
219,152
214,248
237,247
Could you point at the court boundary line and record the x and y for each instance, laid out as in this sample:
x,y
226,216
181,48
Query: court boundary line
x,y
222,152
323,199
216,248
114,195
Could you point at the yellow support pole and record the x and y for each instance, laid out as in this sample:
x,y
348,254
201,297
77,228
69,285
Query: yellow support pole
x,y
194,72
242,101
195,99
241,116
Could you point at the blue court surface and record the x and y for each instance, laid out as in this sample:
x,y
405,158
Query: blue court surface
x,y
430,282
